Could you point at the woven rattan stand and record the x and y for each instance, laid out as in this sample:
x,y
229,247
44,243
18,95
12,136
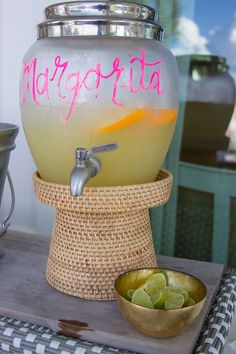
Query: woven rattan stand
x,y
101,234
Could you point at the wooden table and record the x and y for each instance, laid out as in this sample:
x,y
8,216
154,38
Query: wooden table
x,y
26,296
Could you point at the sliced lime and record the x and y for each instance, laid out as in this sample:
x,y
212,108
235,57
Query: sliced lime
x,y
174,301
155,283
190,302
130,294
178,290
140,297
158,299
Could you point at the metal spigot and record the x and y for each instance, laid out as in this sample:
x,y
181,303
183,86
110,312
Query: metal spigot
x,y
87,166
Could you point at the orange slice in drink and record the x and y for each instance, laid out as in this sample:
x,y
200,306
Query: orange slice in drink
x,y
161,117
131,118
153,118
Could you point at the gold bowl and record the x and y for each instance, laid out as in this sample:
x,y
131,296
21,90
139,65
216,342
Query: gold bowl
x,y
155,322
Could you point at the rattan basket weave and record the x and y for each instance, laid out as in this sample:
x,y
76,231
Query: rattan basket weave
x,y
101,234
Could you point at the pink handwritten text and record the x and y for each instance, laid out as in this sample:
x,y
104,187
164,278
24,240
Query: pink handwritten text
x,y
139,76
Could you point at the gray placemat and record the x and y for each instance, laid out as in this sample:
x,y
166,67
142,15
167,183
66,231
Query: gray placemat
x,y
25,295
26,338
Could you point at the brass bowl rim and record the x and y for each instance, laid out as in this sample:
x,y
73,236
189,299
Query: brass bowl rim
x,y
168,269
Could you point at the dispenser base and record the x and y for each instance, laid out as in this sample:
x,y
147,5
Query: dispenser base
x,y
100,235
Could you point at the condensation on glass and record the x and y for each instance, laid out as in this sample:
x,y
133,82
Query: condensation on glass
x,y
99,73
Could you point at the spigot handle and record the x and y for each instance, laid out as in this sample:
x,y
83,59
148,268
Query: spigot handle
x,y
103,148
82,154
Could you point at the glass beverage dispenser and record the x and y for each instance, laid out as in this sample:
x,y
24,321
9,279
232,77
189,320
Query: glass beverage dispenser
x,y
99,73
209,106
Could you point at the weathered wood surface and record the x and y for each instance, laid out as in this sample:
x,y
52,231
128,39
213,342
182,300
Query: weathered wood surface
x,y
26,295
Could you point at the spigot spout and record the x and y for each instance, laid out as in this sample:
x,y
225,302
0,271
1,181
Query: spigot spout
x,y
79,177
87,167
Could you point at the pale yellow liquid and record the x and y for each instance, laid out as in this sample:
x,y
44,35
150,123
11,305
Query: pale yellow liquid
x,y
143,144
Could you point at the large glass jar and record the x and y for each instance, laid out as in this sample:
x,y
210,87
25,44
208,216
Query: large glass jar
x,y
209,103
97,74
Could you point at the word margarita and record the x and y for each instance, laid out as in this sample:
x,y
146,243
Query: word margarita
x,y
37,83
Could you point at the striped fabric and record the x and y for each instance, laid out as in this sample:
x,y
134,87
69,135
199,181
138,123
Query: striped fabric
x,y
26,338
216,329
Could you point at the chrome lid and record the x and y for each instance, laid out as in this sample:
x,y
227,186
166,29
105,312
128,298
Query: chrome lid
x,y
102,9
105,18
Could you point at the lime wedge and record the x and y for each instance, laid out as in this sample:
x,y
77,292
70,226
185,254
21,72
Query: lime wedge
x,y
174,301
190,302
178,290
140,297
130,294
155,283
158,299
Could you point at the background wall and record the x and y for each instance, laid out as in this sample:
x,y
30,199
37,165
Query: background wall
x,y
18,20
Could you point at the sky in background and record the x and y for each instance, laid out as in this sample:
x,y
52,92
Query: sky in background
x,y
208,26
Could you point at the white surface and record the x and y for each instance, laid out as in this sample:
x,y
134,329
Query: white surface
x,y
18,20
